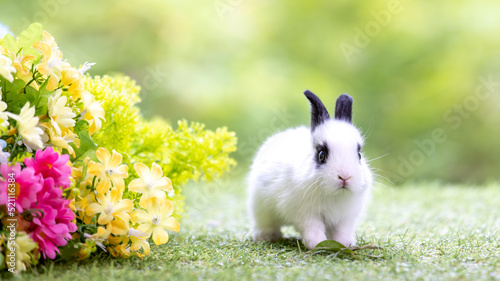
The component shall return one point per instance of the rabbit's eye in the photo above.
(359, 152)
(321, 154)
(321, 157)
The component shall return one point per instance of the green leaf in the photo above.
(26, 39)
(333, 246)
(41, 97)
(2, 264)
(81, 125)
(69, 251)
(336, 247)
(10, 43)
(31, 35)
(15, 101)
(87, 148)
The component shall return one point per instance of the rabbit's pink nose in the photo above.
(344, 177)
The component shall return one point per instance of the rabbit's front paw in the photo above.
(312, 237)
(267, 235)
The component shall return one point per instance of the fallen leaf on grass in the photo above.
(337, 247)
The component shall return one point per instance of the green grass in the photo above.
(427, 231)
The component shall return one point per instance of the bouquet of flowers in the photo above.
(80, 169)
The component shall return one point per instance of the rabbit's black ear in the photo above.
(319, 114)
(343, 108)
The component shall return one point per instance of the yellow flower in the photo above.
(77, 89)
(150, 183)
(93, 112)
(103, 186)
(6, 68)
(73, 79)
(23, 247)
(60, 115)
(27, 126)
(156, 220)
(23, 71)
(4, 119)
(110, 207)
(81, 205)
(3, 50)
(117, 240)
(51, 60)
(120, 227)
(119, 250)
(69, 75)
(100, 236)
(118, 245)
(109, 168)
(60, 141)
(139, 240)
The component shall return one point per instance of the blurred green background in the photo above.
(425, 75)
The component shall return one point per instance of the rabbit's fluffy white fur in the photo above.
(288, 186)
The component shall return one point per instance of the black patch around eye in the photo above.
(359, 152)
(321, 154)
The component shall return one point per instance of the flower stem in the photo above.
(14, 148)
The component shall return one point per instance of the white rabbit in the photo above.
(314, 179)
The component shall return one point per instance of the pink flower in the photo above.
(27, 185)
(50, 164)
(38, 191)
(53, 227)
